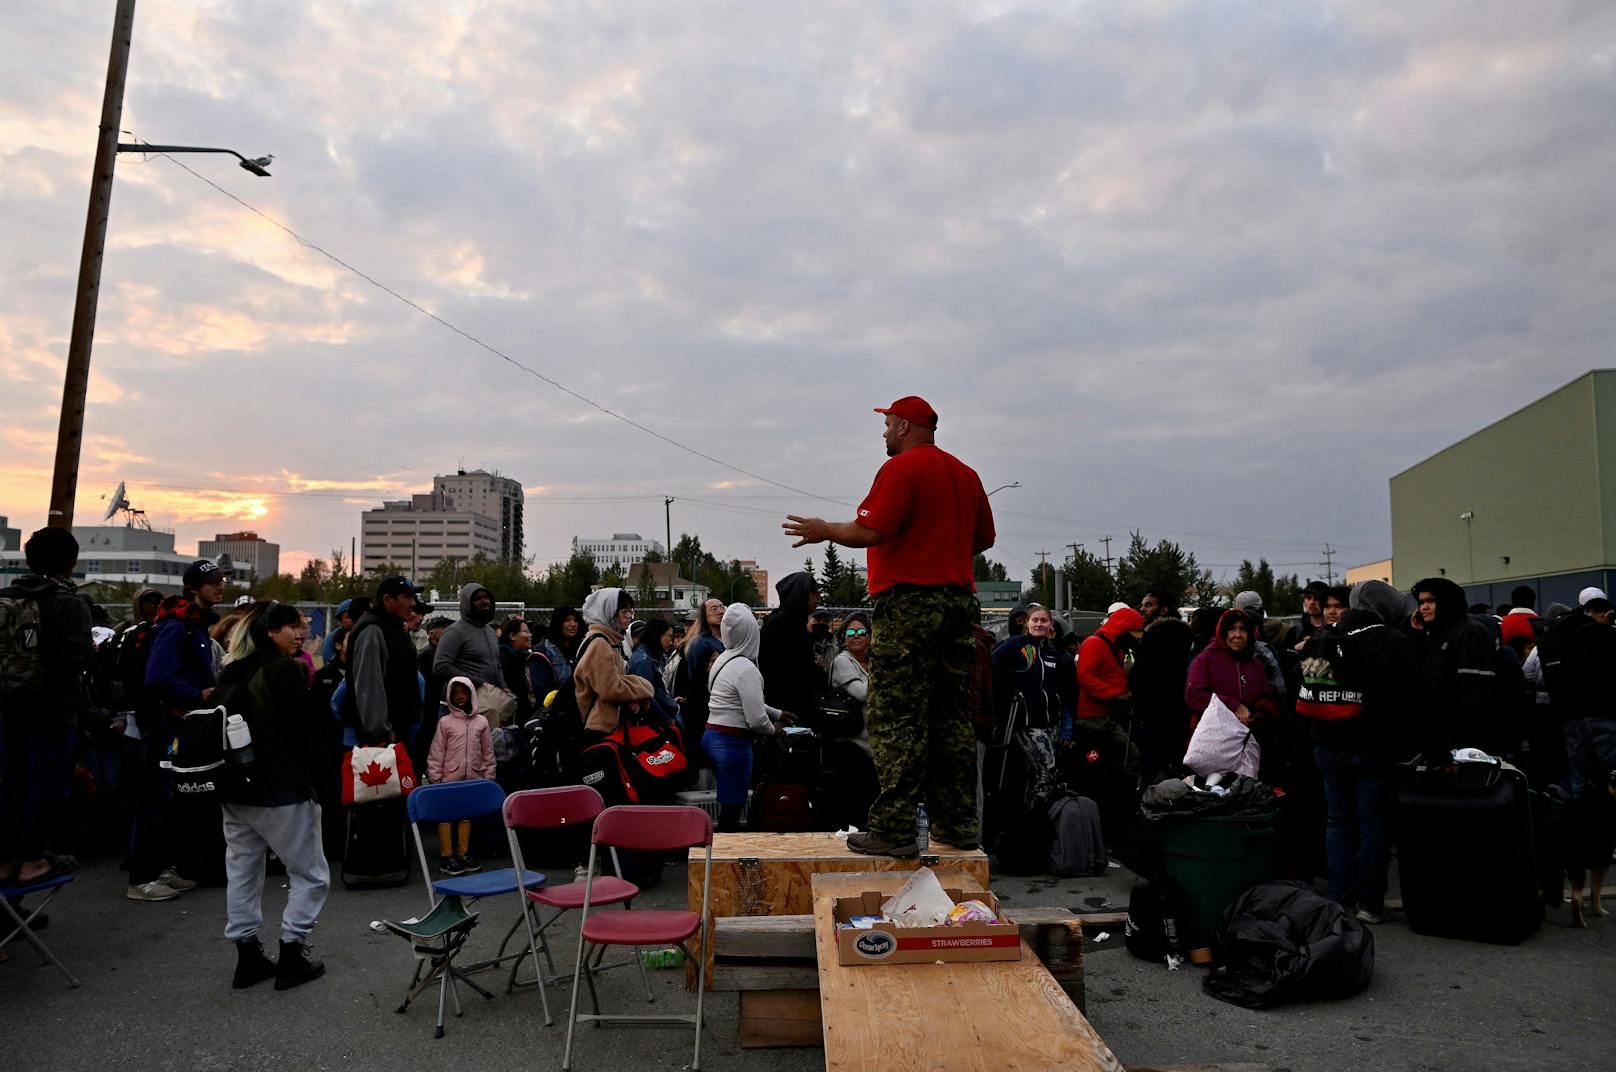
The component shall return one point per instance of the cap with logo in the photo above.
(914, 409)
(394, 586)
(204, 572)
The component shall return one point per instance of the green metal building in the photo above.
(1527, 500)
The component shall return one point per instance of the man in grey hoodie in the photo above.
(470, 647)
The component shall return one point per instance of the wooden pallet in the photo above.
(982, 1017)
(772, 874)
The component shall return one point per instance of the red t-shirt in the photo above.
(932, 515)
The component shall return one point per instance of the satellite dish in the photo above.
(119, 502)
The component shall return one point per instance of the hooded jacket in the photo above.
(642, 663)
(600, 679)
(1235, 678)
(1579, 666)
(1102, 680)
(463, 744)
(1377, 660)
(792, 680)
(470, 647)
(270, 691)
(181, 663)
(1470, 706)
(734, 684)
(551, 664)
(65, 648)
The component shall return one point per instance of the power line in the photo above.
(502, 355)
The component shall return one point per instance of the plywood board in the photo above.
(982, 1017)
(772, 874)
(780, 1018)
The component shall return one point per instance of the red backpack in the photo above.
(636, 764)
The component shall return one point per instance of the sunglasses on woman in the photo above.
(858, 632)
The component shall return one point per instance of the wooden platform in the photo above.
(985, 1017)
(772, 874)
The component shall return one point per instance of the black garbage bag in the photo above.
(1280, 941)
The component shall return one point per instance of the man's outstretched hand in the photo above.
(806, 529)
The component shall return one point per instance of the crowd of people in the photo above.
(883, 721)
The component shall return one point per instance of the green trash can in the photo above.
(1211, 860)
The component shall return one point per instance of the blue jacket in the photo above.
(181, 663)
(1043, 675)
(640, 662)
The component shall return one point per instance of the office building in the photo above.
(119, 554)
(413, 535)
(252, 557)
(620, 551)
(491, 495)
(10, 538)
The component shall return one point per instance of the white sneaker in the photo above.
(580, 873)
(152, 891)
(176, 881)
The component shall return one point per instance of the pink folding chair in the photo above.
(564, 807)
(643, 829)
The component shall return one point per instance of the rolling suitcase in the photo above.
(378, 846)
(1466, 827)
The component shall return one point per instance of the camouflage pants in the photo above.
(921, 653)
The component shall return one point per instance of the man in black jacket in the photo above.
(1160, 668)
(1468, 705)
(42, 698)
(384, 693)
(791, 678)
(1359, 677)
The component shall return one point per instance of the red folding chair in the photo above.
(568, 806)
(643, 829)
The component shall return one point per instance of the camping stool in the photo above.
(558, 808)
(437, 938)
(10, 898)
(663, 828)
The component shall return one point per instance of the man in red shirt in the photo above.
(924, 519)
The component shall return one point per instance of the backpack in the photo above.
(20, 666)
(1151, 932)
(132, 653)
(1323, 695)
(636, 764)
(1077, 847)
(200, 759)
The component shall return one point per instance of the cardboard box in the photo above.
(887, 943)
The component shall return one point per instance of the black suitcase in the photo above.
(379, 845)
(1461, 822)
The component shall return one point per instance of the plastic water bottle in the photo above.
(922, 828)
(662, 958)
(239, 738)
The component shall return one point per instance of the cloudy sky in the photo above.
(1212, 270)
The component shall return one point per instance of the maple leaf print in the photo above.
(375, 774)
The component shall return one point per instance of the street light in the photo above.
(255, 164)
(76, 382)
(1001, 487)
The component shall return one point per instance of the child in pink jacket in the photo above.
(462, 750)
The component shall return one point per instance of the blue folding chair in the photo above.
(452, 802)
(11, 903)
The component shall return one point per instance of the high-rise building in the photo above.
(416, 534)
(621, 550)
(10, 538)
(491, 495)
(760, 577)
(251, 556)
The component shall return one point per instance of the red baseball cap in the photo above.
(914, 409)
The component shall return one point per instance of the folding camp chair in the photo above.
(646, 829)
(436, 938)
(573, 806)
(450, 802)
(11, 900)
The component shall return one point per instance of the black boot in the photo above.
(729, 818)
(251, 964)
(297, 966)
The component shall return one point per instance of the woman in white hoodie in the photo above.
(736, 713)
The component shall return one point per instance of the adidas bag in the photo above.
(372, 774)
(199, 759)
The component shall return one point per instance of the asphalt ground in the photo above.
(156, 995)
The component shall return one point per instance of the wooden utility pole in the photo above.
(1107, 541)
(667, 521)
(75, 387)
(1043, 566)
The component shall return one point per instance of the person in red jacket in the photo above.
(1106, 761)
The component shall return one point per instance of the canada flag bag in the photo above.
(372, 774)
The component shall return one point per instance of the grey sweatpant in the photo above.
(293, 832)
